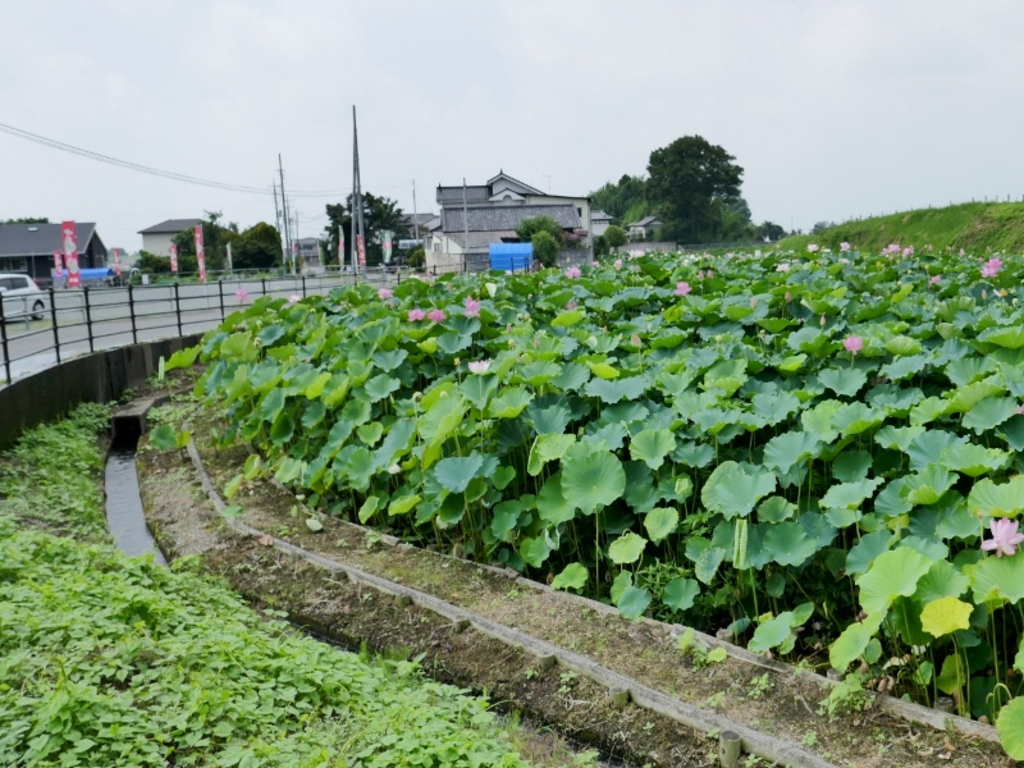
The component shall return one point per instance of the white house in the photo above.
(599, 222)
(646, 227)
(157, 239)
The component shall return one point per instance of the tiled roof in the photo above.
(507, 217)
(474, 194)
(40, 239)
(170, 227)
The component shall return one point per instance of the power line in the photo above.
(63, 147)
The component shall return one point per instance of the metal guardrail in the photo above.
(80, 321)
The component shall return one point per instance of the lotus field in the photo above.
(818, 450)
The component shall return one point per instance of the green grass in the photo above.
(975, 227)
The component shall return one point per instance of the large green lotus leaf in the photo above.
(572, 377)
(505, 517)
(990, 500)
(369, 508)
(928, 410)
(968, 369)
(706, 565)
(785, 450)
(573, 576)
(733, 490)
(651, 446)
(727, 375)
(792, 363)
(818, 528)
(535, 551)
(614, 391)
(389, 360)
(852, 643)
(772, 633)
(313, 414)
(603, 370)
(775, 509)
(478, 389)
(1011, 337)
(905, 367)
(927, 448)
(454, 473)
(788, 544)
(370, 433)
(633, 602)
(927, 486)
(843, 381)
(272, 404)
(1012, 431)
(854, 418)
(360, 468)
(996, 579)
(539, 373)
(851, 466)
(397, 442)
(989, 412)
(592, 480)
(945, 616)
(443, 418)
(660, 522)
(942, 580)
(953, 675)
(550, 420)
(1010, 725)
(402, 504)
(316, 388)
(566, 319)
(849, 495)
(549, 447)
(808, 339)
(893, 574)
(510, 403)
(450, 343)
(891, 501)
(283, 429)
(627, 548)
(819, 419)
(551, 504)
(965, 398)
(973, 460)
(863, 553)
(680, 592)
(897, 438)
(894, 400)
(775, 407)
(902, 345)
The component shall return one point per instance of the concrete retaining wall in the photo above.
(96, 378)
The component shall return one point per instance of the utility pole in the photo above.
(415, 223)
(284, 205)
(277, 222)
(298, 246)
(465, 225)
(357, 199)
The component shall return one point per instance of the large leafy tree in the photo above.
(624, 201)
(379, 214)
(691, 181)
(258, 247)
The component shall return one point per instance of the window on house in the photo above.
(579, 212)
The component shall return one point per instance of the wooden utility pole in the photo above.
(284, 208)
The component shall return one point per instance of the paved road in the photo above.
(31, 345)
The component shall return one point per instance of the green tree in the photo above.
(616, 236)
(545, 248)
(258, 247)
(379, 214)
(617, 199)
(215, 240)
(735, 220)
(770, 231)
(529, 227)
(600, 245)
(27, 220)
(690, 181)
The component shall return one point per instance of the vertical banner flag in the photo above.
(58, 263)
(341, 247)
(361, 248)
(200, 253)
(117, 262)
(231, 266)
(174, 259)
(70, 238)
(387, 246)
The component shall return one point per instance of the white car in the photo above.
(21, 296)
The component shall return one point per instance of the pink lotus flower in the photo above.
(789, 296)
(991, 267)
(853, 344)
(1005, 537)
(242, 295)
(682, 288)
(934, 279)
(844, 246)
(415, 315)
(573, 272)
(700, 274)
(812, 247)
(908, 251)
(384, 294)
(479, 366)
(472, 307)
(294, 298)
(571, 305)
(635, 340)
(961, 251)
(710, 274)
(618, 263)
(595, 264)
(436, 315)
(782, 266)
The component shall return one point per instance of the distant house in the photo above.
(600, 221)
(645, 228)
(157, 239)
(493, 211)
(309, 250)
(28, 248)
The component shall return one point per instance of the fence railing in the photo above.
(41, 329)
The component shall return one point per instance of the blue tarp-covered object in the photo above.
(511, 257)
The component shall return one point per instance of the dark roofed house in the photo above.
(157, 239)
(28, 248)
(645, 228)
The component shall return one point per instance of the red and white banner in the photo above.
(200, 253)
(231, 267)
(387, 247)
(174, 259)
(341, 247)
(361, 248)
(117, 262)
(58, 264)
(69, 236)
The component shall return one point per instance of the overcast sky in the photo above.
(833, 109)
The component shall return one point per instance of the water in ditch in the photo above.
(124, 504)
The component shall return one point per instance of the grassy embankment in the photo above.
(108, 660)
(975, 227)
